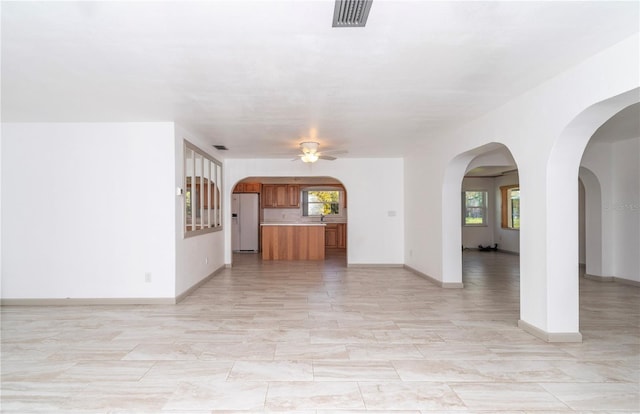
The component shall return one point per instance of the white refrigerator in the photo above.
(244, 222)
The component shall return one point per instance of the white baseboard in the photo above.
(86, 301)
(606, 279)
(550, 336)
(193, 288)
(373, 265)
(106, 301)
(444, 285)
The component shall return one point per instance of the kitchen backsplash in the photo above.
(291, 215)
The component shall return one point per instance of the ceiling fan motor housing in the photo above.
(309, 147)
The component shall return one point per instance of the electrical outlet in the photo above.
(147, 277)
(206, 260)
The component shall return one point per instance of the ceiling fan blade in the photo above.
(327, 157)
(335, 152)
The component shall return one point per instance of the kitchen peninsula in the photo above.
(293, 241)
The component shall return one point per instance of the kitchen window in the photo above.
(202, 195)
(475, 208)
(510, 207)
(321, 203)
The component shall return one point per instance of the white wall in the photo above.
(625, 206)
(198, 256)
(531, 127)
(88, 210)
(375, 234)
(616, 166)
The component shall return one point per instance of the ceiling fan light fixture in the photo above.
(309, 157)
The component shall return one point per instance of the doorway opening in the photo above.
(301, 219)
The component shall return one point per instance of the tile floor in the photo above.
(323, 338)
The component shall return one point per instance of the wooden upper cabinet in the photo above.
(251, 187)
(247, 188)
(293, 196)
(268, 196)
(280, 196)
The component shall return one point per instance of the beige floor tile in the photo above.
(354, 371)
(508, 396)
(410, 396)
(593, 396)
(298, 351)
(323, 338)
(163, 352)
(118, 395)
(218, 396)
(271, 371)
(111, 371)
(438, 371)
(174, 372)
(313, 395)
(386, 352)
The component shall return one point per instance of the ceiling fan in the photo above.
(310, 153)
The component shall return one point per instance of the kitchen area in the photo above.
(289, 218)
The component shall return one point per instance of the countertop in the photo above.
(292, 224)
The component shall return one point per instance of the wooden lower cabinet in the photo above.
(284, 242)
(342, 235)
(336, 235)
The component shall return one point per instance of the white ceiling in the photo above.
(259, 76)
(623, 125)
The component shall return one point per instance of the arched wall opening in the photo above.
(562, 243)
(493, 159)
(257, 201)
(591, 233)
(610, 169)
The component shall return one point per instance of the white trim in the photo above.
(444, 285)
(108, 301)
(193, 288)
(86, 301)
(549, 336)
(607, 279)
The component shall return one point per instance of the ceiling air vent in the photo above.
(221, 147)
(351, 13)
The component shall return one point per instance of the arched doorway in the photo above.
(490, 163)
(610, 171)
(561, 288)
(317, 205)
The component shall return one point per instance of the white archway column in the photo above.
(549, 304)
(549, 299)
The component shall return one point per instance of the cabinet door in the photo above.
(281, 196)
(269, 196)
(239, 188)
(251, 187)
(331, 236)
(293, 196)
(342, 236)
